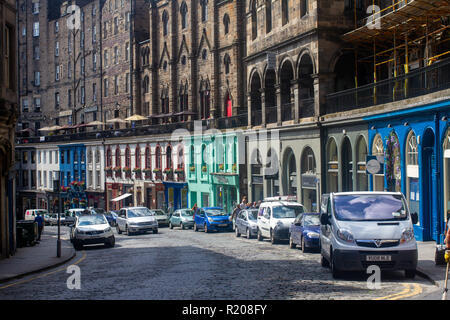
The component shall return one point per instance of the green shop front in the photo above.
(225, 188)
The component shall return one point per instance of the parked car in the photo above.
(71, 216)
(161, 217)
(183, 218)
(111, 216)
(212, 219)
(275, 217)
(92, 229)
(97, 210)
(136, 219)
(305, 232)
(360, 229)
(53, 220)
(32, 213)
(47, 219)
(247, 222)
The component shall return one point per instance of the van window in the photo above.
(285, 212)
(370, 207)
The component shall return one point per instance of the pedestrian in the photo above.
(258, 204)
(243, 203)
(194, 208)
(234, 215)
(40, 222)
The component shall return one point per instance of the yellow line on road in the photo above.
(406, 293)
(43, 275)
(417, 290)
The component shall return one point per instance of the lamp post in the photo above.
(57, 189)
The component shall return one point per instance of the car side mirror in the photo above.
(298, 224)
(414, 217)
(324, 219)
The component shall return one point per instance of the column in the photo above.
(249, 108)
(278, 94)
(295, 89)
(263, 107)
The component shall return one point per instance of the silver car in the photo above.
(183, 218)
(247, 223)
(92, 229)
(136, 219)
(161, 217)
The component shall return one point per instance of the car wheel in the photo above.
(206, 228)
(259, 236)
(128, 231)
(410, 274)
(155, 231)
(195, 227)
(292, 245)
(238, 234)
(303, 245)
(249, 234)
(170, 225)
(273, 240)
(118, 229)
(181, 226)
(110, 243)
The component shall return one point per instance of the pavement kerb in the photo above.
(73, 254)
(424, 275)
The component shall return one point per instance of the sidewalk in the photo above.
(40, 257)
(426, 266)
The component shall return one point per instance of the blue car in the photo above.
(212, 219)
(111, 217)
(305, 232)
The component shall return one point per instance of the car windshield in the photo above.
(91, 220)
(187, 213)
(370, 207)
(312, 220)
(253, 215)
(139, 212)
(216, 213)
(99, 210)
(159, 212)
(287, 212)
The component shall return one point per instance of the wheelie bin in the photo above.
(29, 232)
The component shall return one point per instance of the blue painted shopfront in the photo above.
(413, 145)
(72, 166)
(176, 195)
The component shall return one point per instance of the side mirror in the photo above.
(414, 217)
(298, 224)
(324, 219)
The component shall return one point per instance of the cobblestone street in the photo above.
(175, 264)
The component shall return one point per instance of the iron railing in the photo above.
(416, 83)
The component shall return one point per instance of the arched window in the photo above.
(284, 11)
(447, 171)
(127, 157)
(158, 157)
(254, 20)
(137, 158)
(165, 21)
(226, 23)
(180, 157)
(183, 12)
(268, 16)
(204, 4)
(378, 150)
(412, 172)
(169, 162)
(146, 84)
(109, 157)
(118, 157)
(148, 158)
(97, 156)
(227, 62)
(333, 166)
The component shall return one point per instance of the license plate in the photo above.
(378, 258)
(223, 225)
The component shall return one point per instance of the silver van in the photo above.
(361, 229)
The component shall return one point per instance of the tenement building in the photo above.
(8, 117)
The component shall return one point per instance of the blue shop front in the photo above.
(412, 147)
(176, 195)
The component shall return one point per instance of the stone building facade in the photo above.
(8, 117)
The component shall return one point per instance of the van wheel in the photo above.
(238, 234)
(334, 271)
(324, 262)
(118, 229)
(410, 274)
(249, 234)
(259, 236)
(303, 245)
(272, 238)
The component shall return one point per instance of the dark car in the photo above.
(305, 232)
(111, 216)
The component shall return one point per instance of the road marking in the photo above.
(45, 274)
(406, 293)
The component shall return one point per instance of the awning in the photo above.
(124, 196)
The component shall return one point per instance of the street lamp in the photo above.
(57, 189)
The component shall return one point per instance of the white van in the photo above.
(361, 229)
(275, 217)
(32, 213)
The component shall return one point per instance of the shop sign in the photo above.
(217, 179)
(309, 181)
(374, 166)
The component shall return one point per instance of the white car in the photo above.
(32, 213)
(361, 229)
(136, 219)
(275, 217)
(92, 229)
